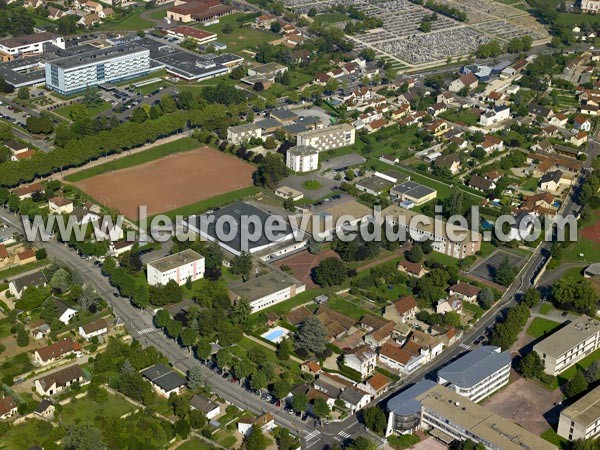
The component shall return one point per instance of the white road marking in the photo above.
(146, 331)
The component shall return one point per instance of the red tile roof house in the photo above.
(415, 270)
(465, 292)
(54, 352)
(8, 407)
(402, 309)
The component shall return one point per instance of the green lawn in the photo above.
(546, 308)
(331, 17)
(85, 410)
(26, 435)
(194, 444)
(8, 273)
(464, 116)
(551, 436)
(131, 22)
(148, 88)
(65, 111)
(181, 145)
(539, 327)
(581, 365)
(311, 184)
(347, 308)
(241, 38)
(530, 184)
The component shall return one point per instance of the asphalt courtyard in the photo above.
(487, 268)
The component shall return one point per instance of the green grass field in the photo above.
(194, 444)
(539, 327)
(131, 22)
(241, 38)
(546, 308)
(551, 436)
(333, 17)
(84, 410)
(347, 308)
(25, 435)
(530, 184)
(65, 111)
(311, 184)
(460, 116)
(182, 145)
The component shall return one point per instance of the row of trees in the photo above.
(494, 48)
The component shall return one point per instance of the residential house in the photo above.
(64, 312)
(106, 13)
(376, 385)
(39, 329)
(536, 110)
(589, 109)
(60, 205)
(8, 407)
(354, 399)
(380, 335)
(209, 408)
(481, 184)
(465, 292)
(18, 285)
(92, 329)
(266, 423)
(446, 305)
(89, 20)
(362, 359)
(550, 181)
(57, 382)
(56, 351)
(55, 13)
(579, 139)
(16, 147)
(559, 120)
(311, 367)
(399, 359)
(4, 255)
(451, 162)
(438, 127)
(117, 248)
(34, 4)
(467, 81)
(45, 409)
(582, 123)
(493, 116)
(412, 269)
(27, 191)
(26, 256)
(402, 309)
(93, 6)
(164, 380)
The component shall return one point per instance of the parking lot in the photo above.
(342, 162)
(297, 182)
(487, 268)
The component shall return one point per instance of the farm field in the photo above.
(169, 183)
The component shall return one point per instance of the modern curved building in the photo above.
(404, 411)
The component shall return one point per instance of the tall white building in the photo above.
(178, 267)
(478, 374)
(302, 158)
(581, 420)
(328, 138)
(569, 345)
(590, 6)
(76, 73)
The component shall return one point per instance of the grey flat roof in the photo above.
(413, 189)
(234, 214)
(25, 71)
(563, 340)
(294, 128)
(374, 183)
(164, 377)
(268, 123)
(259, 287)
(475, 366)
(283, 114)
(405, 403)
(178, 259)
(302, 150)
(97, 55)
(586, 410)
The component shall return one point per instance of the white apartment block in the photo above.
(240, 134)
(302, 159)
(590, 6)
(178, 267)
(569, 345)
(267, 290)
(581, 420)
(478, 374)
(328, 138)
(76, 73)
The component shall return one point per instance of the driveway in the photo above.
(342, 162)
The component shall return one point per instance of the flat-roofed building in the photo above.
(302, 158)
(449, 239)
(240, 134)
(450, 417)
(569, 345)
(267, 290)
(164, 380)
(73, 74)
(30, 44)
(198, 10)
(410, 191)
(179, 267)
(581, 420)
(194, 34)
(328, 138)
(373, 185)
(477, 374)
(404, 412)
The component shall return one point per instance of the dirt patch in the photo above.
(302, 264)
(170, 182)
(592, 232)
(527, 404)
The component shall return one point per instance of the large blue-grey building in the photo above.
(74, 74)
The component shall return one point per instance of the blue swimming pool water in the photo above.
(273, 335)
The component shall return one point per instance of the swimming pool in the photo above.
(275, 335)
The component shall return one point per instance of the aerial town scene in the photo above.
(299, 224)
